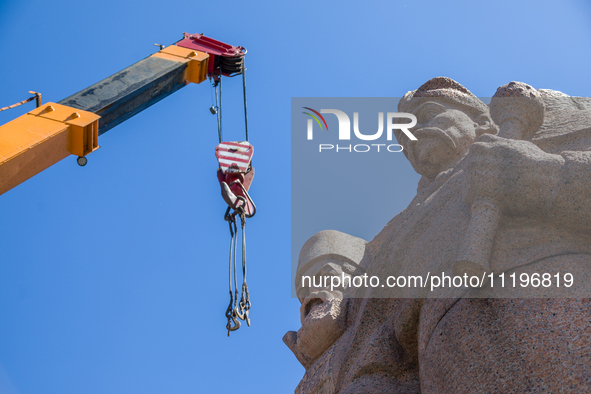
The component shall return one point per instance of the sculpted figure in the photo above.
(538, 181)
(323, 313)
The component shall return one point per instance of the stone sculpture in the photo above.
(532, 186)
(323, 313)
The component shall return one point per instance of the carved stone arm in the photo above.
(572, 206)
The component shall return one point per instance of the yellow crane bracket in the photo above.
(82, 130)
(42, 137)
(197, 62)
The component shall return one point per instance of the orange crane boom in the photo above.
(40, 138)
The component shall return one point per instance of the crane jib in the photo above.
(53, 131)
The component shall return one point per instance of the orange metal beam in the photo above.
(41, 138)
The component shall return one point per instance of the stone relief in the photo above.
(505, 188)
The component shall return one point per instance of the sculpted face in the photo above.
(322, 314)
(449, 118)
(444, 135)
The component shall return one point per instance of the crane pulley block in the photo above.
(226, 58)
(236, 174)
(234, 156)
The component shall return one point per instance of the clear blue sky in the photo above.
(113, 276)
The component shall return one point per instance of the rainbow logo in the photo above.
(315, 118)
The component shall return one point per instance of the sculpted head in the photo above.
(449, 119)
(323, 309)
